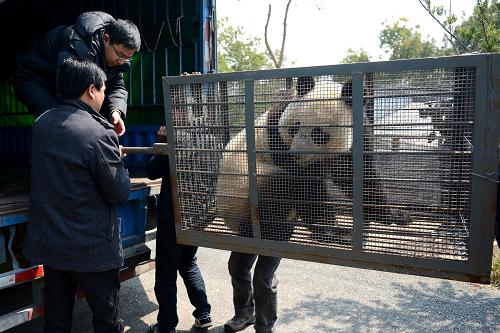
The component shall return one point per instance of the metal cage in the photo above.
(389, 165)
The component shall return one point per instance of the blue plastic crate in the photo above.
(138, 136)
(132, 218)
(15, 145)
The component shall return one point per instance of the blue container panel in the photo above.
(138, 136)
(132, 220)
(15, 144)
(132, 217)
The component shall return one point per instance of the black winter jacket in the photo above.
(158, 167)
(78, 179)
(83, 39)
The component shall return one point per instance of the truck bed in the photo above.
(14, 196)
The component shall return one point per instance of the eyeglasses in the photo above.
(121, 55)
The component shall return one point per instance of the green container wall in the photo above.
(173, 42)
(12, 111)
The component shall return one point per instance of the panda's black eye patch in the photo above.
(319, 136)
(294, 129)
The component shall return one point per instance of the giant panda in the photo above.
(273, 184)
(317, 128)
(295, 178)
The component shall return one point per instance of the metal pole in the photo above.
(156, 149)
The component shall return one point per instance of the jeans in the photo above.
(497, 227)
(101, 291)
(170, 258)
(265, 288)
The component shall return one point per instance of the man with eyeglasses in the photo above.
(95, 36)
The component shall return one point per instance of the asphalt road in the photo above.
(320, 298)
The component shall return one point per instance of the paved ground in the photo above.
(322, 298)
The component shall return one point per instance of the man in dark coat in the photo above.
(95, 36)
(172, 258)
(78, 178)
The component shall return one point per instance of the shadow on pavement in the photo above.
(413, 309)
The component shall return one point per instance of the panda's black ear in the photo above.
(304, 85)
(346, 94)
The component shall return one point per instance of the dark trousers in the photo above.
(497, 226)
(265, 288)
(101, 291)
(170, 258)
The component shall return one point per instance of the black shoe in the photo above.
(203, 321)
(153, 328)
(238, 323)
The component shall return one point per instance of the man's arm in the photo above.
(108, 170)
(114, 107)
(158, 164)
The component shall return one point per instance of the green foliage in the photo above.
(495, 272)
(481, 31)
(353, 56)
(237, 51)
(403, 42)
(478, 33)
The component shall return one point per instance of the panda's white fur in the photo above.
(316, 127)
(232, 185)
(321, 109)
(321, 122)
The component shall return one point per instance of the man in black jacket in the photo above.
(172, 258)
(77, 179)
(95, 36)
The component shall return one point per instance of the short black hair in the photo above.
(124, 32)
(76, 75)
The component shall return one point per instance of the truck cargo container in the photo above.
(177, 36)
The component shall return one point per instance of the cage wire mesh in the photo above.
(421, 150)
(198, 149)
(300, 192)
(417, 160)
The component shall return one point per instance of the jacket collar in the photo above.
(78, 104)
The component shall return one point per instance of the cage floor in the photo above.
(419, 239)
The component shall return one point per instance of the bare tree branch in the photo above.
(452, 44)
(445, 29)
(277, 62)
(268, 47)
(280, 63)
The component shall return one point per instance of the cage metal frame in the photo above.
(484, 170)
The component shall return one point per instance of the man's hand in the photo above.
(117, 122)
(161, 135)
(122, 154)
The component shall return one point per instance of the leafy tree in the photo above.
(353, 56)
(478, 33)
(403, 42)
(237, 51)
